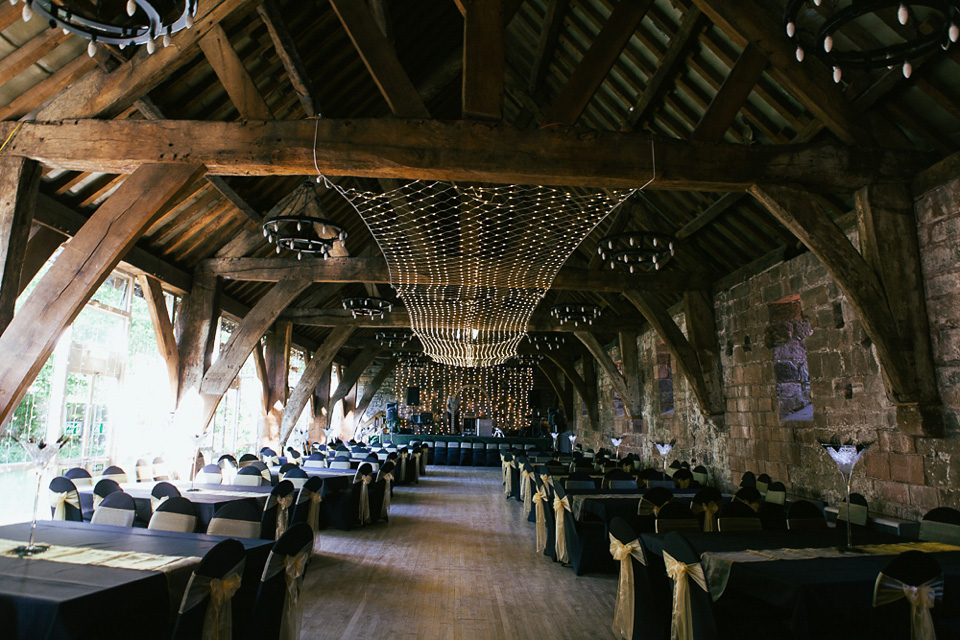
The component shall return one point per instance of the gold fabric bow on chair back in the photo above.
(539, 499)
(59, 500)
(283, 514)
(710, 511)
(292, 611)
(559, 506)
(526, 491)
(508, 478)
(416, 467)
(218, 592)
(681, 623)
(365, 499)
(623, 608)
(921, 598)
(387, 481)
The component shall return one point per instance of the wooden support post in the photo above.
(702, 335)
(371, 389)
(630, 363)
(483, 60)
(631, 401)
(597, 61)
(83, 265)
(162, 329)
(261, 366)
(319, 400)
(320, 363)
(549, 34)
(857, 279)
(277, 358)
(287, 52)
(43, 244)
(349, 377)
(889, 244)
(19, 182)
(236, 80)
(557, 385)
(197, 330)
(586, 386)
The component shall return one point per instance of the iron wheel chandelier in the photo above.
(548, 341)
(367, 306)
(576, 313)
(934, 24)
(301, 226)
(636, 249)
(392, 339)
(145, 22)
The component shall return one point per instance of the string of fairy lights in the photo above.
(471, 262)
(499, 393)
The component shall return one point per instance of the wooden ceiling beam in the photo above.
(711, 213)
(629, 390)
(732, 95)
(483, 60)
(680, 46)
(749, 21)
(162, 329)
(233, 75)
(370, 390)
(374, 270)
(547, 44)
(19, 187)
(29, 53)
(288, 54)
(457, 150)
(380, 59)
(597, 61)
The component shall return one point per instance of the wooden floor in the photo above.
(455, 561)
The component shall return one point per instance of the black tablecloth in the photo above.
(57, 600)
(606, 509)
(817, 598)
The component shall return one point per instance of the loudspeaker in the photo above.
(413, 396)
(391, 411)
(533, 398)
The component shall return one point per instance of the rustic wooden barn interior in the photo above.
(810, 292)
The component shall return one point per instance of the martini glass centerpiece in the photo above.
(846, 457)
(573, 438)
(616, 443)
(664, 448)
(554, 435)
(41, 455)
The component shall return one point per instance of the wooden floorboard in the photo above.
(454, 562)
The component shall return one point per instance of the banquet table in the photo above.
(65, 601)
(812, 597)
(206, 499)
(609, 504)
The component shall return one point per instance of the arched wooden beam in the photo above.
(901, 342)
(371, 389)
(706, 386)
(629, 390)
(555, 382)
(586, 386)
(351, 375)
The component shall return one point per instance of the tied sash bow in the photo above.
(416, 467)
(559, 505)
(508, 478)
(681, 623)
(283, 514)
(313, 513)
(921, 598)
(59, 501)
(539, 498)
(388, 481)
(217, 592)
(710, 509)
(403, 466)
(623, 609)
(526, 490)
(292, 613)
(365, 499)
(154, 502)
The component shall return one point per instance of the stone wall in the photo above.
(901, 475)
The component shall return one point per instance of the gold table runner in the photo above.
(103, 557)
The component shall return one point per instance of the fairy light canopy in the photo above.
(471, 262)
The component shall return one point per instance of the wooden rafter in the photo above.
(370, 390)
(586, 385)
(629, 392)
(19, 184)
(235, 78)
(288, 54)
(597, 61)
(458, 150)
(162, 328)
(348, 378)
(549, 35)
(731, 96)
(483, 60)
(565, 398)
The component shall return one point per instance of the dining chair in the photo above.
(619, 476)
(776, 493)
(160, 471)
(80, 477)
(748, 479)
(374, 461)
(296, 475)
(700, 474)
(104, 488)
(228, 468)
(248, 477)
(277, 511)
(340, 463)
(162, 492)
(264, 471)
(941, 525)
(144, 470)
(174, 514)
(210, 474)
(246, 459)
(653, 500)
(236, 519)
(640, 612)
(683, 478)
(858, 510)
(278, 596)
(763, 483)
(677, 550)
(749, 496)
(206, 607)
(478, 456)
(64, 500)
(586, 550)
(115, 473)
(738, 516)
(805, 516)
(269, 457)
(293, 455)
(893, 615)
(306, 508)
(706, 505)
(117, 509)
(675, 516)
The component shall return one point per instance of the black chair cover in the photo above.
(215, 564)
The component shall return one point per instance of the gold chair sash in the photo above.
(710, 509)
(403, 466)
(921, 599)
(365, 499)
(508, 488)
(423, 462)
(59, 500)
(681, 623)
(218, 619)
(623, 608)
(647, 508)
(271, 461)
(96, 502)
(154, 502)
(313, 513)
(292, 611)
(388, 482)
(283, 514)
(559, 505)
(539, 498)
(526, 491)
(416, 467)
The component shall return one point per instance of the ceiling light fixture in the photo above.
(636, 250)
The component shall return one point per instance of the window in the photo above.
(786, 334)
